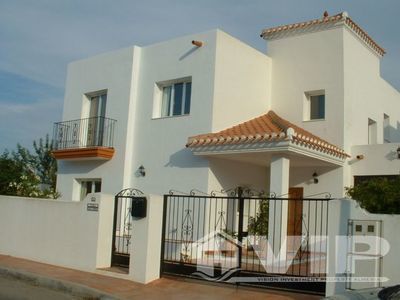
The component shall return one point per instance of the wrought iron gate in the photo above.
(246, 238)
(122, 227)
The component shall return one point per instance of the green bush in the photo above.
(258, 225)
(377, 195)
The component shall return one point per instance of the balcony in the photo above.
(84, 139)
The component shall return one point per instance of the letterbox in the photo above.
(139, 207)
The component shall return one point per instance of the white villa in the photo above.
(206, 114)
(216, 113)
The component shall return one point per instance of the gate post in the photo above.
(240, 229)
(146, 239)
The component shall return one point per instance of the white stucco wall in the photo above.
(340, 212)
(115, 73)
(225, 90)
(242, 83)
(367, 95)
(62, 233)
(378, 160)
(304, 63)
(159, 143)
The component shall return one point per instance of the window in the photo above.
(314, 107)
(176, 99)
(372, 132)
(90, 186)
(317, 107)
(386, 128)
(95, 122)
(371, 228)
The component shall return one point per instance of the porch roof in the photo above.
(267, 131)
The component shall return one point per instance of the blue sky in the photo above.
(39, 38)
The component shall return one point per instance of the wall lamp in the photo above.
(315, 177)
(142, 171)
(398, 152)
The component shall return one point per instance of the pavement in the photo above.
(12, 288)
(113, 285)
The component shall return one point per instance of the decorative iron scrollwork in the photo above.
(326, 195)
(229, 192)
(247, 192)
(194, 191)
(187, 236)
(129, 193)
(173, 192)
(220, 221)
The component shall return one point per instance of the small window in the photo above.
(372, 132)
(176, 99)
(386, 128)
(90, 186)
(358, 228)
(317, 107)
(371, 228)
(314, 105)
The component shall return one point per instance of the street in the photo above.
(13, 289)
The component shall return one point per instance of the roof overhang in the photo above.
(283, 148)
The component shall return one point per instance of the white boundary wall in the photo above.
(340, 212)
(62, 233)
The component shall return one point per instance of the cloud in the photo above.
(39, 38)
(27, 109)
(23, 123)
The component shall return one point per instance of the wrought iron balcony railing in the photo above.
(84, 133)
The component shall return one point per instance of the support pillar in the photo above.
(144, 265)
(278, 214)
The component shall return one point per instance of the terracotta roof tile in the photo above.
(324, 20)
(268, 127)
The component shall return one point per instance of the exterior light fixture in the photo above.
(315, 177)
(398, 152)
(142, 171)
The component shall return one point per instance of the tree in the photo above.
(16, 179)
(30, 175)
(9, 173)
(44, 162)
(377, 195)
(258, 225)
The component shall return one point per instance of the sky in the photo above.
(39, 38)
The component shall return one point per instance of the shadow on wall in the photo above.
(304, 175)
(186, 54)
(73, 167)
(392, 133)
(230, 174)
(392, 155)
(184, 158)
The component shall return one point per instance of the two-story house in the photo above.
(297, 116)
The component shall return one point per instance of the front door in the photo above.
(295, 217)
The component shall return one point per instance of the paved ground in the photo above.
(12, 289)
(165, 288)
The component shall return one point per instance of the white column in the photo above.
(144, 265)
(278, 213)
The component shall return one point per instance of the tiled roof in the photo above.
(266, 128)
(325, 20)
